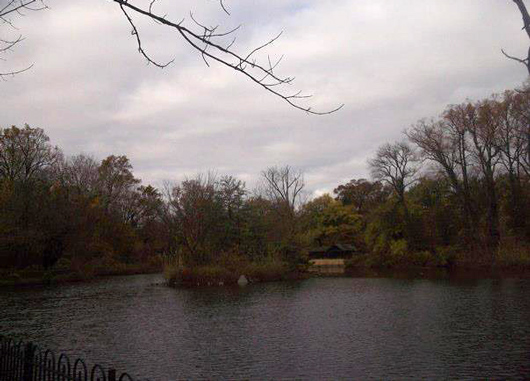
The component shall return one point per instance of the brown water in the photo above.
(325, 328)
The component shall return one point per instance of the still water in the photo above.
(327, 328)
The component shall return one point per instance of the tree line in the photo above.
(454, 189)
(87, 214)
(460, 182)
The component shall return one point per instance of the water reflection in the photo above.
(320, 328)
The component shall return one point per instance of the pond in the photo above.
(320, 328)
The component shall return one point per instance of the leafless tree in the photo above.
(80, 173)
(484, 127)
(444, 142)
(437, 145)
(510, 138)
(217, 45)
(395, 164)
(8, 12)
(283, 185)
(522, 109)
(511, 143)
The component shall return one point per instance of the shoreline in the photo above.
(57, 278)
(427, 273)
(435, 273)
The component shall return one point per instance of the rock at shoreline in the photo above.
(242, 281)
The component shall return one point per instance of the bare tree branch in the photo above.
(283, 185)
(134, 32)
(520, 60)
(13, 73)
(209, 43)
(11, 9)
(17, 6)
(526, 27)
(9, 44)
(224, 8)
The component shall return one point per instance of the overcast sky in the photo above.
(390, 62)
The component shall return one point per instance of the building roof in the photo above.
(345, 247)
(335, 247)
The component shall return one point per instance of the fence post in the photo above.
(29, 355)
(112, 375)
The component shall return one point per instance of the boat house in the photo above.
(339, 250)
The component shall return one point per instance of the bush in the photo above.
(512, 253)
(34, 271)
(155, 261)
(171, 273)
(445, 256)
(398, 248)
(397, 256)
(267, 271)
(63, 264)
(357, 261)
(226, 270)
(232, 260)
(420, 258)
(293, 256)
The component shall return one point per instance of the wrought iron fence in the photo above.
(26, 362)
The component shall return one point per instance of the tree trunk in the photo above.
(493, 218)
(528, 143)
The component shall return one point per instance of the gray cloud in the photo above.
(391, 63)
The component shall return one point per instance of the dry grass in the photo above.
(226, 273)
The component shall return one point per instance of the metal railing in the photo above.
(26, 362)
